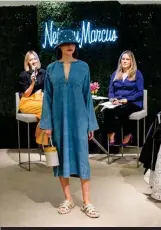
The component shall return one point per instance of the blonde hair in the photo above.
(26, 60)
(132, 70)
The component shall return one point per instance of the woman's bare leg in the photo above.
(85, 190)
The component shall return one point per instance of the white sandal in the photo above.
(66, 207)
(90, 211)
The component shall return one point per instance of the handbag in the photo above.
(51, 154)
(41, 136)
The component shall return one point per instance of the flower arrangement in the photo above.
(94, 87)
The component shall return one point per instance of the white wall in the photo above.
(17, 3)
(31, 2)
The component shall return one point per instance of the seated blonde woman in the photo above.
(31, 85)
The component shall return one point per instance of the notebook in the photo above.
(99, 97)
(108, 105)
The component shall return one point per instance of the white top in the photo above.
(124, 77)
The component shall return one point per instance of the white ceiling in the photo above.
(31, 2)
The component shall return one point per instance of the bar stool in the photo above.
(137, 116)
(27, 118)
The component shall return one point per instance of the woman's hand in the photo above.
(90, 135)
(28, 92)
(123, 101)
(33, 77)
(116, 102)
(48, 132)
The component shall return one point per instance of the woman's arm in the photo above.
(92, 121)
(46, 117)
(25, 87)
(140, 88)
(111, 93)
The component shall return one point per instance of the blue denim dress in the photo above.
(68, 110)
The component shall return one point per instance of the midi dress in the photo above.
(68, 111)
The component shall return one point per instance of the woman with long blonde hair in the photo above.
(126, 92)
(31, 85)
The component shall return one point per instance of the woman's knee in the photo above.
(121, 113)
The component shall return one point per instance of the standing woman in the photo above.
(68, 116)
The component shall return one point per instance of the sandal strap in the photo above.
(66, 204)
(90, 208)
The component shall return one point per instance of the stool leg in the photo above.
(28, 133)
(138, 149)
(100, 146)
(18, 124)
(122, 137)
(108, 148)
(144, 130)
(40, 151)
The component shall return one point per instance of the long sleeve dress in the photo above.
(68, 111)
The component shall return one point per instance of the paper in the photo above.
(108, 105)
(99, 97)
(94, 96)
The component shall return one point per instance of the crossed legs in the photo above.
(117, 117)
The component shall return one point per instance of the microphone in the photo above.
(34, 68)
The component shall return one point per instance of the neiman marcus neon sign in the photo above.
(86, 35)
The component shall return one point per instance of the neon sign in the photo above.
(86, 35)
